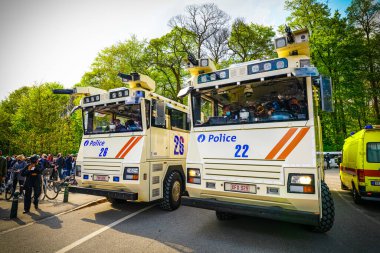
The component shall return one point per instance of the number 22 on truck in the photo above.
(255, 145)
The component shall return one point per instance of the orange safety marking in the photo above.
(281, 143)
(293, 144)
(125, 146)
(131, 146)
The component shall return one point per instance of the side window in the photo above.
(178, 119)
(158, 118)
(373, 152)
(147, 113)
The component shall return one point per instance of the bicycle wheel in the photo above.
(9, 192)
(50, 190)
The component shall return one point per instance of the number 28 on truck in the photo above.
(255, 144)
(134, 144)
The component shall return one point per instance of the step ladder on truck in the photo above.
(134, 143)
(255, 145)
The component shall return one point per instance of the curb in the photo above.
(92, 203)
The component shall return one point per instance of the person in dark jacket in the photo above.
(60, 162)
(3, 167)
(68, 164)
(33, 181)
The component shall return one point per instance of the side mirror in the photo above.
(326, 94)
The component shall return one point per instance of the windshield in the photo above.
(112, 118)
(269, 101)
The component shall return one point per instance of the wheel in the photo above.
(342, 186)
(9, 192)
(49, 190)
(172, 192)
(222, 216)
(115, 201)
(328, 210)
(356, 196)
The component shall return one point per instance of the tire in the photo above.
(172, 192)
(49, 190)
(222, 216)
(356, 196)
(328, 211)
(9, 192)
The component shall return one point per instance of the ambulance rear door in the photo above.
(372, 160)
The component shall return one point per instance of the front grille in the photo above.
(245, 172)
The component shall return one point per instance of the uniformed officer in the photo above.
(33, 181)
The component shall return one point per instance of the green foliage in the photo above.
(250, 41)
(344, 49)
(33, 122)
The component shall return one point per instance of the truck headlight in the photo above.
(131, 173)
(78, 170)
(301, 183)
(194, 176)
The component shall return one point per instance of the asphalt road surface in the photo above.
(146, 228)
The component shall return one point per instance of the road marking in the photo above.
(358, 209)
(95, 202)
(88, 237)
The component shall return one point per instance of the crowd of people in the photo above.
(27, 172)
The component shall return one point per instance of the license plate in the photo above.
(247, 188)
(375, 183)
(100, 178)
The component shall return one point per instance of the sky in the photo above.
(57, 40)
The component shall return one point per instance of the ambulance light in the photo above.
(368, 127)
(194, 176)
(213, 76)
(272, 65)
(91, 99)
(301, 183)
(131, 173)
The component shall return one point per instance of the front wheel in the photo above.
(328, 211)
(9, 192)
(50, 191)
(172, 192)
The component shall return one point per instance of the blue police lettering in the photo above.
(97, 143)
(221, 138)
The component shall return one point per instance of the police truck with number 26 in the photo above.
(134, 144)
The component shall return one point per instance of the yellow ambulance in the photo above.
(360, 167)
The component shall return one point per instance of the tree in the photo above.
(364, 15)
(201, 22)
(123, 57)
(166, 55)
(250, 41)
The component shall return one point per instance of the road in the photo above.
(146, 228)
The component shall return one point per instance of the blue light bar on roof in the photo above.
(271, 65)
(214, 76)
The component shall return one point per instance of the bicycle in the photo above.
(69, 180)
(49, 185)
(7, 186)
